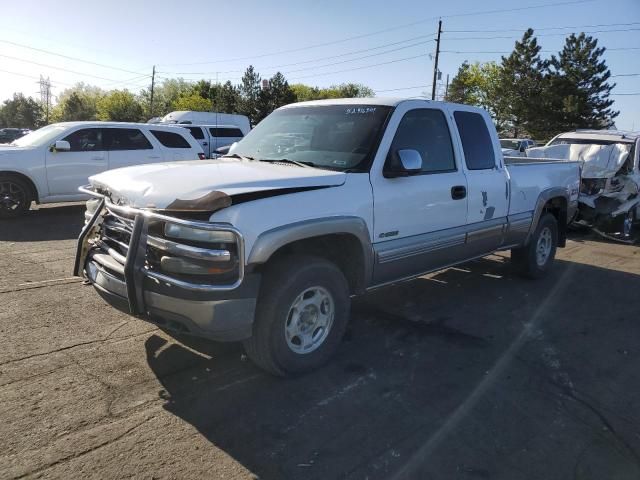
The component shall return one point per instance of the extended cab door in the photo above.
(129, 146)
(419, 219)
(487, 184)
(66, 171)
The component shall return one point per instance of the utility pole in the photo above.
(435, 67)
(153, 82)
(45, 96)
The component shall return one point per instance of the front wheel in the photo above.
(301, 315)
(536, 258)
(15, 196)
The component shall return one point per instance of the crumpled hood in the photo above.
(598, 161)
(160, 185)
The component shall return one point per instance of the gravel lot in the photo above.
(470, 373)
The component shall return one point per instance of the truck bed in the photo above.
(530, 177)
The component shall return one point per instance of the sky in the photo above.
(386, 45)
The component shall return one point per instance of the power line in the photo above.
(49, 52)
(31, 76)
(541, 51)
(402, 88)
(364, 35)
(542, 34)
(363, 67)
(322, 58)
(545, 28)
(634, 93)
(58, 68)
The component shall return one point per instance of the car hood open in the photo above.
(206, 185)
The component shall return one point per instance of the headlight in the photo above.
(172, 230)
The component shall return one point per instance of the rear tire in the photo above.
(15, 196)
(535, 259)
(301, 315)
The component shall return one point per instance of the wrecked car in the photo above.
(321, 201)
(609, 200)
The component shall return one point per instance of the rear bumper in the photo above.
(221, 316)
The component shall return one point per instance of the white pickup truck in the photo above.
(321, 201)
(49, 164)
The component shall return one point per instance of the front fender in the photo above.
(271, 241)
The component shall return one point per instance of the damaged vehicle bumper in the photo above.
(164, 270)
(606, 210)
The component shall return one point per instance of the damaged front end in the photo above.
(609, 200)
(184, 275)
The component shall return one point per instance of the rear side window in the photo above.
(225, 132)
(426, 131)
(126, 139)
(170, 139)
(476, 141)
(196, 132)
(86, 140)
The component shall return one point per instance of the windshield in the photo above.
(337, 137)
(40, 137)
(512, 144)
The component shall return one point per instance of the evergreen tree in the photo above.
(578, 89)
(277, 94)
(521, 87)
(226, 98)
(250, 95)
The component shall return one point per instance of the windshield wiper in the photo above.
(286, 160)
(235, 155)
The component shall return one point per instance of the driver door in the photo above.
(68, 170)
(420, 219)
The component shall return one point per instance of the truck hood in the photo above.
(598, 161)
(193, 185)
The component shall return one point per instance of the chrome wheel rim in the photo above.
(543, 247)
(309, 320)
(12, 196)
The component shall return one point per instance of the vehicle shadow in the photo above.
(50, 223)
(403, 389)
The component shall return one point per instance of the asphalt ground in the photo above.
(468, 373)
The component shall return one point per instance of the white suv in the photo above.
(50, 164)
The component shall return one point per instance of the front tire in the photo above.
(15, 196)
(536, 258)
(301, 315)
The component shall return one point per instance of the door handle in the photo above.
(204, 144)
(154, 157)
(97, 158)
(458, 192)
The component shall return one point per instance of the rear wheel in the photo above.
(301, 315)
(15, 196)
(536, 258)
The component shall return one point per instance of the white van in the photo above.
(208, 118)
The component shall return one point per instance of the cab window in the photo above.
(85, 140)
(426, 131)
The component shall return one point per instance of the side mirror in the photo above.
(403, 163)
(223, 150)
(522, 148)
(61, 146)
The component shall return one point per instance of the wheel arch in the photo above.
(556, 202)
(343, 240)
(32, 186)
